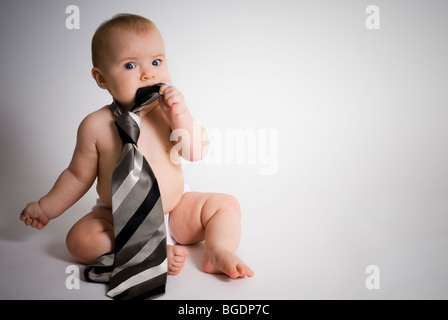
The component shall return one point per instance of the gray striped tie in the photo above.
(137, 269)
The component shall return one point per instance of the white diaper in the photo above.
(169, 238)
(101, 204)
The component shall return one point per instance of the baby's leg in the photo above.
(214, 218)
(93, 236)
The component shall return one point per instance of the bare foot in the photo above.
(176, 258)
(225, 261)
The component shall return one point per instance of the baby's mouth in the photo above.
(146, 95)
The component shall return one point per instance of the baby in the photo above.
(128, 53)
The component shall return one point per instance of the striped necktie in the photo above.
(137, 269)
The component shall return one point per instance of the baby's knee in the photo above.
(226, 202)
(232, 203)
(84, 244)
(77, 243)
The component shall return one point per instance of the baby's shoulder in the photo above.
(96, 122)
(100, 116)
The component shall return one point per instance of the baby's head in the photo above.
(128, 53)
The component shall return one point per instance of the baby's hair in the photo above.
(125, 21)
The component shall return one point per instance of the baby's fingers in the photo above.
(162, 89)
(37, 224)
(24, 214)
(34, 223)
(28, 221)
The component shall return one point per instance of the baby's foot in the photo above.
(225, 261)
(176, 258)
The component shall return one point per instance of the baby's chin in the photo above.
(124, 104)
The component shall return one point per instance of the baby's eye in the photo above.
(129, 65)
(156, 62)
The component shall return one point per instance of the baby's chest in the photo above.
(155, 145)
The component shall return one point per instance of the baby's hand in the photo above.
(172, 101)
(33, 216)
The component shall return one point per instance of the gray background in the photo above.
(362, 122)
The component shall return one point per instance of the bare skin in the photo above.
(134, 61)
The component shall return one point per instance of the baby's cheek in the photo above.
(125, 95)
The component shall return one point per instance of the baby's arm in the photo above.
(71, 185)
(175, 109)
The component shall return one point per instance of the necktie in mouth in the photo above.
(137, 268)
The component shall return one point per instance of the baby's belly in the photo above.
(171, 185)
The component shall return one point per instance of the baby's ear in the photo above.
(99, 78)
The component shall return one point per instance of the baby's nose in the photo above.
(147, 74)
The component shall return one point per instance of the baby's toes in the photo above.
(244, 270)
(175, 267)
(180, 253)
(172, 270)
(176, 260)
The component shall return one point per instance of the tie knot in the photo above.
(128, 125)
